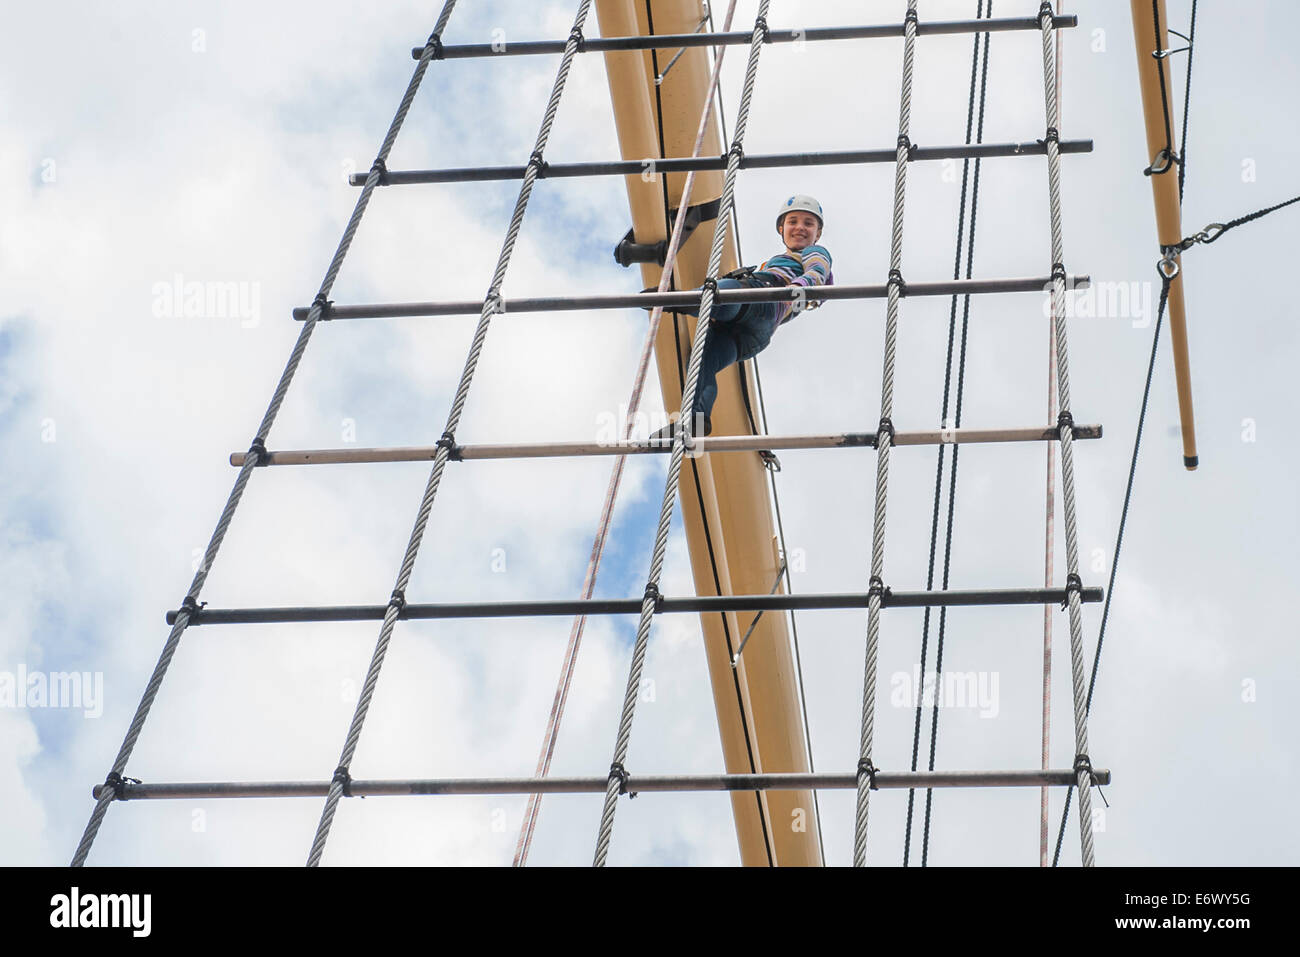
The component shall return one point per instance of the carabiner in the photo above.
(1211, 232)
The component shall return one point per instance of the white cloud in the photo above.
(226, 166)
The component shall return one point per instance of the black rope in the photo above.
(1119, 538)
(1166, 158)
(1187, 99)
(695, 471)
(947, 382)
(952, 472)
(1214, 231)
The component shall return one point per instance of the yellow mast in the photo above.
(726, 507)
(1164, 189)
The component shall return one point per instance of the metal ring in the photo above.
(1168, 267)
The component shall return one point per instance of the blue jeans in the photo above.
(738, 331)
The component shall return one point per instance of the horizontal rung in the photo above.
(676, 164)
(636, 784)
(666, 41)
(687, 298)
(632, 606)
(713, 444)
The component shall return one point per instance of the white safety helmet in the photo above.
(803, 202)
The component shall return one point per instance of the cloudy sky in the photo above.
(166, 143)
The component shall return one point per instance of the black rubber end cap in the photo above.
(1191, 461)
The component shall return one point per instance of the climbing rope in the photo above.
(978, 132)
(1074, 585)
(258, 447)
(773, 466)
(617, 780)
(681, 355)
(611, 492)
(1049, 536)
(1119, 537)
(884, 440)
(447, 442)
(1167, 273)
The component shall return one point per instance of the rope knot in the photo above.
(117, 784)
(192, 607)
(738, 151)
(896, 278)
(616, 770)
(910, 18)
(434, 41)
(1082, 763)
(343, 779)
(575, 35)
(257, 451)
(448, 442)
(380, 167)
(1065, 421)
(536, 163)
(398, 600)
(876, 588)
(886, 426)
(1058, 272)
(710, 284)
(760, 25)
(870, 770)
(652, 592)
(1045, 10)
(324, 304)
(1073, 583)
(1053, 135)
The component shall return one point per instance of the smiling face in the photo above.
(800, 229)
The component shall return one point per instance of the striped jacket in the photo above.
(810, 267)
